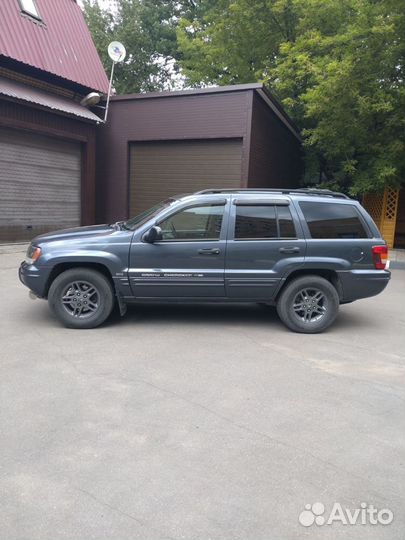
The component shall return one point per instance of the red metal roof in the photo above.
(61, 44)
(22, 92)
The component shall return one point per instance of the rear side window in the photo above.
(257, 222)
(332, 220)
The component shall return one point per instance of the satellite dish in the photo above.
(91, 99)
(116, 51)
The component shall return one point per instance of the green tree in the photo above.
(336, 65)
(147, 29)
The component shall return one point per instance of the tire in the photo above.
(81, 298)
(308, 304)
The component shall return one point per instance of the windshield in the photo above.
(138, 220)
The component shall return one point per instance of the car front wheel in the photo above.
(81, 298)
(308, 304)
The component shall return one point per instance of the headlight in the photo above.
(33, 254)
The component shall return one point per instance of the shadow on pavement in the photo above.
(246, 314)
(37, 313)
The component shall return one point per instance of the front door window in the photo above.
(193, 224)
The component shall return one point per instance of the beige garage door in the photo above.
(39, 184)
(160, 170)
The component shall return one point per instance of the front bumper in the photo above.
(358, 284)
(34, 278)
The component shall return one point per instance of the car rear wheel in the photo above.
(81, 298)
(308, 304)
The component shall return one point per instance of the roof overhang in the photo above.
(17, 91)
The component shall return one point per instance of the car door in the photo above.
(265, 242)
(189, 260)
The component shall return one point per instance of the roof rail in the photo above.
(299, 191)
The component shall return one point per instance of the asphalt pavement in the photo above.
(201, 422)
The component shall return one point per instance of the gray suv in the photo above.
(305, 251)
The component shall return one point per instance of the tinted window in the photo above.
(260, 222)
(255, 222)
(195, 223)
(332, 220)
(285, 222)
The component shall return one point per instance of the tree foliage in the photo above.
(147, 28)
(336, 66)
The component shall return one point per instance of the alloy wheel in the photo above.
(310, 305)
(80, 299)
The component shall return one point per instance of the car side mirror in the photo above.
(153, 235)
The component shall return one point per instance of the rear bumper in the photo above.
(34, 278)
(358, 284)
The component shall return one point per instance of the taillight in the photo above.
(380, 257)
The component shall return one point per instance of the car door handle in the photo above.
(214, 251)
(289, 250)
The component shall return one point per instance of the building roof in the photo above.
(21, 92)
(59, 44)
(259, 88)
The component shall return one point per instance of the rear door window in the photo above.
(333, 220)
(263, 222)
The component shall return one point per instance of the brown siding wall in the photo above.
(191, 117)
(46, 123)
(275, 158)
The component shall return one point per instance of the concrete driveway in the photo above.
(200, 422)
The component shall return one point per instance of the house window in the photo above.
(29, 7)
